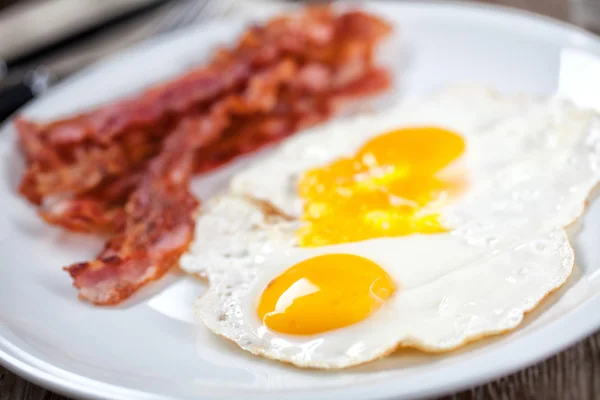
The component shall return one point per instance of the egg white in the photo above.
(448, 294)
(532, 164)
(471, 112)
(233, 233)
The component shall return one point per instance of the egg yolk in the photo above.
(324, 293)
(392, 186)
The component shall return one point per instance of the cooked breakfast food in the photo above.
(429, 225)
(124, 168)
(435, 222)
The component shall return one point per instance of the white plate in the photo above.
(151, 348)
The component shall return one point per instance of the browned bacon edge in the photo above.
(159, 223)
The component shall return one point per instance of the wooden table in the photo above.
(572, 374)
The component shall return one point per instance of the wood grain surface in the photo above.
(571, 375)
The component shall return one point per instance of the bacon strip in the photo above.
(159, 223)
(101, 209)
(91, 211)
(293, 112)
(76, 154)
(125, 168)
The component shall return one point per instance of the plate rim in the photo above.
(564, 335)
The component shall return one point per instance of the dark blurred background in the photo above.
(4, 3)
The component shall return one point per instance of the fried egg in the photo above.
(429, 225)
(343, 305)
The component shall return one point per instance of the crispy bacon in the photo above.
(293, 112)
(76, 154)
(97, 210)
(90, 164)
(83, 215)
(101, 210)
(125, 167)
(159, 222)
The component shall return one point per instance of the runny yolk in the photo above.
(392, 186)
(324, 293)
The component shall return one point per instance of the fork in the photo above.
(19, 87)
(190, 12)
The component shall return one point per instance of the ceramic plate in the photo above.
(152, 348)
